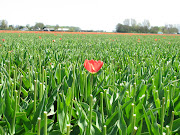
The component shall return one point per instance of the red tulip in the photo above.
(3, 40)
(39, 37)
(54, 41)
(60, 38)
(155, 39)
(93, 66)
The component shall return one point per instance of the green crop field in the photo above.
(45, 88)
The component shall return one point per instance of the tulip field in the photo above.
(89, 84)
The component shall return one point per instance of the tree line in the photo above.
(128, 26)
(131, 26)
(38, 26)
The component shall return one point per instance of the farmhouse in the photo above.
(24, 29)
(48, 29)
(63, 29)
(160, 32)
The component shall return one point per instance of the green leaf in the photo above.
(2, 104)
(129, 129)
(140, 128)
(147, 121)
(122, 124)
(25, 93)
(61, 113)
(9, 112)
(39, 110)
(55, 132)
(53, 82)
(69, 96)
(2, 69)
(52, 97)
(29, 133)
(95, 130)
(112, 120)
(3, 123)
(148, 113)
(82, 119)
(176, 126)
(1, 131)
(26, 82)
(114, 130)
(21, 116)
(142, 90)
(155, 128)
(49, 126)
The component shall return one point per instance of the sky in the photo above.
(89, 14)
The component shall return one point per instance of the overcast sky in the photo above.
(89, 14)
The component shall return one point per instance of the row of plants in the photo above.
(49, 86)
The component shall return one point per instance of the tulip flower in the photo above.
(39, 37)
(3, 40)
(54, 41)
(93, 66)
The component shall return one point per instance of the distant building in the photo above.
(38, 29)
(63, 29)
(86, 31)
(48, 29)
(160, 32)
(24, 29)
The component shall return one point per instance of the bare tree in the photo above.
(3, 24)
(146, 23)
(133, 22)
(126, 22)
(56, 27)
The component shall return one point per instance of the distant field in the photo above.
(137, 90)
(56, 32)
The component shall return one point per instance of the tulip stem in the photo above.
(40, 92)
(90, 113)
(101, 106)
(35, 94)
(45, 123)
(19, 89)
(104, 130)
(39, 126)
(68, 129)
(91, 83)
(85, 92)
(162, 114)
(171, 122)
